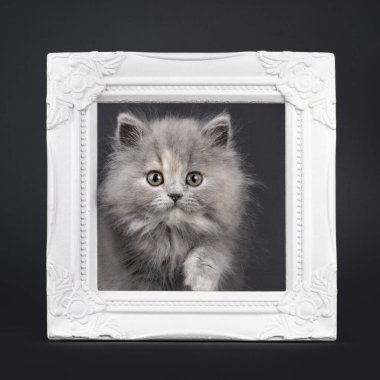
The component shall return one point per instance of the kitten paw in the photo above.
(200, 274)
(200, 283)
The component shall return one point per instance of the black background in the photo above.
(29, 30)
(259, 135)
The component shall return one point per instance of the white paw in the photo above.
(199, 282)
(200, 274)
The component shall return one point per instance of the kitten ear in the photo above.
(218, 129)
(129, 129)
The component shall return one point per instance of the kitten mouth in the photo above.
(176, 206)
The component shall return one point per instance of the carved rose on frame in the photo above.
(303, 307)
(77, 83)
(73, 301)
(305, 80)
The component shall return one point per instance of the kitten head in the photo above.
(181, 172)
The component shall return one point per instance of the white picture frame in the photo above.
(305, 82)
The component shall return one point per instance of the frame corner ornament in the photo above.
(302, 308)
(77, 304)
(305, 80)
(75, 80)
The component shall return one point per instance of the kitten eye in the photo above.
(194, 179)
(155, 178)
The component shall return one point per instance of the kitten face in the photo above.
(172, 170)
(173, 191)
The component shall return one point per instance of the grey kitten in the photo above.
(171, 206)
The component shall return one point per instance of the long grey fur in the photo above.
(146, 241)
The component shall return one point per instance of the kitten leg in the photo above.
(204, 267)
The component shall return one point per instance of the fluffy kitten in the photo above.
(171, 206)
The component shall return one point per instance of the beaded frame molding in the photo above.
(305, 82)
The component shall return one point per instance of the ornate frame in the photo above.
(305, 82)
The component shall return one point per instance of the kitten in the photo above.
(172, 206)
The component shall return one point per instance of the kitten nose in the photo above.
(175, 197)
